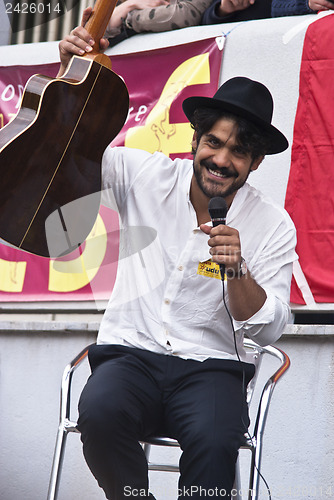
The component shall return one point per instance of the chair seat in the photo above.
(166, 441)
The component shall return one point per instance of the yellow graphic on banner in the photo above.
(12, 275)
(209, 269)
(158, 134)
(67, 276)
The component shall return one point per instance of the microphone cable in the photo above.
(218, 210)
(243, 382)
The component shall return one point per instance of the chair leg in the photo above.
(254, 479)
(57, 464)
(236, 492)
(147, 450)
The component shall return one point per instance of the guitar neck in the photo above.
(98, 21)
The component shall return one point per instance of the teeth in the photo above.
(218, 174)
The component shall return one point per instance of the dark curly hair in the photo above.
(249, 136)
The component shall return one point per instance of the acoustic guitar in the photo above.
(50, 154)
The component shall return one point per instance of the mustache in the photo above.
(223, 170)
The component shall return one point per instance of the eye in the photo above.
(213, 142)
(240, 151)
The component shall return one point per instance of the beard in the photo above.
(211, 188)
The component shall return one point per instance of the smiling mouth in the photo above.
(225, 174)
(216, 173)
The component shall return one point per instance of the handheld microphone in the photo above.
(218, 211)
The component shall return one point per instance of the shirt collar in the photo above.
(234, 209)
(237, 203)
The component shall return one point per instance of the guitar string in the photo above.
(61, 159)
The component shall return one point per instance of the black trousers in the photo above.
(133, 394)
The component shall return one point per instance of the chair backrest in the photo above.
(254, 354)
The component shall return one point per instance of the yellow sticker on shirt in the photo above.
(209, 269)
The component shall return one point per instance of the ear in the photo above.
(194, 142)
(256, 163)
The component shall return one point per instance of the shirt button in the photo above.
(167, 301)
(180, 268)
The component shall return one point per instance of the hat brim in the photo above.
(279, 141)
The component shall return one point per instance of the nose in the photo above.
(222, 157)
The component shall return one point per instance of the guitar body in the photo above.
(50, 156)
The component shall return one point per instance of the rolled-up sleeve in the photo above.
(271, 267)
(266, 325)
(175, 15)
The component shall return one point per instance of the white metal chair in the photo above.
(252, 442)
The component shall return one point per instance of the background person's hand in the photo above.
(229, 6)
(123, 9)
(320, 5)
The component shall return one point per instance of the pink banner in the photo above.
(158, 81)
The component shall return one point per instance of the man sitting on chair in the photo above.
(169, 358)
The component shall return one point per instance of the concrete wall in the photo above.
(298, 452)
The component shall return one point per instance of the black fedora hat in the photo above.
(246, 98)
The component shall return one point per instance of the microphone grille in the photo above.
(217, 208)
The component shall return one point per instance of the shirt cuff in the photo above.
(263, 316)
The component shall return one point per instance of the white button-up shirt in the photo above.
(168, 297)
